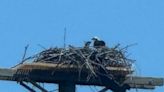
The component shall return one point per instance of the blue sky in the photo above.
(42, 22)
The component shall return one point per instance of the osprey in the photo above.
(87, 44)
(98, 43)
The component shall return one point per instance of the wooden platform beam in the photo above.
(131, 81)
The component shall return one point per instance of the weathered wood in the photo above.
(144, 81)
(47, 66)
(7, 74)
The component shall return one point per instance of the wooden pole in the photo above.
(67, 87)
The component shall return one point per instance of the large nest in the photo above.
(79, 56)
(88, 58)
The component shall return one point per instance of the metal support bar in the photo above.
(104, 89)
(121, 89)
(38, 86)
(67, 87)
(27, 87)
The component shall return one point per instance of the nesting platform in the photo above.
(51, 73)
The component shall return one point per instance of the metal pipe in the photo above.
(27, 87)
(38, 86)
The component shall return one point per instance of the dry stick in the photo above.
(129, 46)
(24, 55)
(96, 76)
(41, 46)
(89, 77)
(103, 67)
(87, 63)
(81, 67)
(23, 58)
(79, 53)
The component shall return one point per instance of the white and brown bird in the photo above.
(97, 42)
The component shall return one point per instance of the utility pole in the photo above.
(67, 87)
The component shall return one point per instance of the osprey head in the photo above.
(95, 38)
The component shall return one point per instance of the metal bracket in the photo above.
(34, 84)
